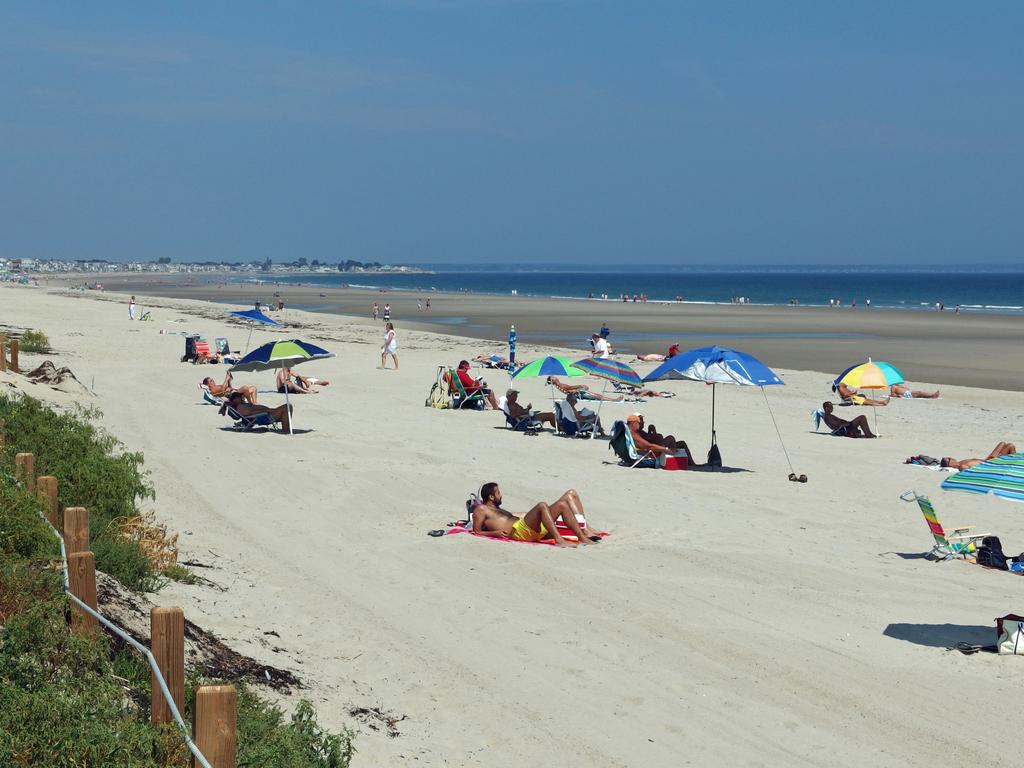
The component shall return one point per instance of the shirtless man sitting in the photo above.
(650, 440)
(1001, 449)
(489, 519)
(518, 412)
(226, 388)
(857, 427)
(568, 389)
(281, 414)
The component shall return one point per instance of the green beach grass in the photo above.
(68, 701)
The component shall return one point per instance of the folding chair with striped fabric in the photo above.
(959, 543)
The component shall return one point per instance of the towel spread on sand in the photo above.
(565, 533)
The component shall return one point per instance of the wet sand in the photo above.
(942, 348)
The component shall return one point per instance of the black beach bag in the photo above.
(990, 553)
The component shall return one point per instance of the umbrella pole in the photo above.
(712, 413)
(288, 406)
(247, 340)
(599, 404)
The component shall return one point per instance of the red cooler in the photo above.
(682, 461)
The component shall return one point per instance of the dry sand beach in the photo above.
(731, 617)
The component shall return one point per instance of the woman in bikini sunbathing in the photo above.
(226, 388)
(582, 390)
(1001, 449)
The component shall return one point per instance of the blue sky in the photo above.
(514, 131)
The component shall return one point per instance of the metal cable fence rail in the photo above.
(157, 674)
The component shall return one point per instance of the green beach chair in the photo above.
(461, 398)
(959, 543)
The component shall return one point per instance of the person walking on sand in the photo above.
(387, 313)
(131, 308)
(390, 344)
(376, 310)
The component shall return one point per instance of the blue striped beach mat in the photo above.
(1002, 476)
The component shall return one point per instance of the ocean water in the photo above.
(992, 291)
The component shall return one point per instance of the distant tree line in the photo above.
(349, 264)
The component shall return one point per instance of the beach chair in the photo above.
(522, 423)
(621, 442)
(959, 543)
(202, 349)
(222, 346)
(247, 423)
(209, 397)
(461, 398)
(567, 423)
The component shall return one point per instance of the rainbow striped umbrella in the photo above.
(1002, 476)
(870, 375)
(613, 370)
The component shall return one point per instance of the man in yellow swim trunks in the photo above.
(489, 519)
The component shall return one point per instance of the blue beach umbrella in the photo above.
(1002, 476)
(253, 316)
(718, 365)
(281, 354)
(511, 349)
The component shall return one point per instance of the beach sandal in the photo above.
(437, 532)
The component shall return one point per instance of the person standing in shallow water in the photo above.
(390, 346)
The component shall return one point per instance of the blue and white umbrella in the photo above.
(253, 316)
(718, 365)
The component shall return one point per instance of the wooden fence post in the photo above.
(46, 490)
(76, 530)
(82, 578)
(216, 712)
(25, 469)
(3, 353)
(14, 356)
(167, 642)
